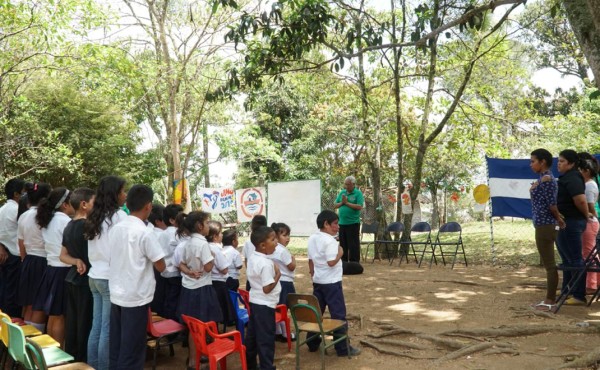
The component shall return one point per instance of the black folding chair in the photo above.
(590, 264)
(390, 245)
(450, 234)
(422, 232)
(368, 229)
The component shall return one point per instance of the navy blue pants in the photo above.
(158, 302)
(332, 296)
(128, 337)
(350, 242)
(568, 243)
(260, 337)
(10, 272)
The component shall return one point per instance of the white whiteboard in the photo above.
(295, 203)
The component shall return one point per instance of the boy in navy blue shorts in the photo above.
(324, 254)
(263, 276)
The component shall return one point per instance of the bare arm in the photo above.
(269, 288)
(581, 204)
(337, 258)
(22, 251)
(554, 210)
(65, 257)
(292, 265)
(160, 265)
(311, 268)
(3, 254)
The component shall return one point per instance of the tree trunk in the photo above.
(435, 214)
(584, 17)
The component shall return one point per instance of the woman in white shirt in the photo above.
(53, 215)
(106, 213)
(33, 255)
(589, 171)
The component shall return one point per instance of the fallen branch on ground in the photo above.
(472, 349)
(393, 353)
(400, 343)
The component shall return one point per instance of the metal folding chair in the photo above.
(449, 234)
(368, 229)
(590, 264)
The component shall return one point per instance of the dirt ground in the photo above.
(432, 314)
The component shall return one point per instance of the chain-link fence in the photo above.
(501, 241)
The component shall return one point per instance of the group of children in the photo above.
(78, 262)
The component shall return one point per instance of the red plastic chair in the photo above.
(220, 347)
(281, 315)
(163, 329)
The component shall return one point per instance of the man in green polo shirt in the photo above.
(350, 201)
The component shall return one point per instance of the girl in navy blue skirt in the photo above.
(33, 255)
(53, 215)
(198, 298)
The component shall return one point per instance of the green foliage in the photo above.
(95, 137)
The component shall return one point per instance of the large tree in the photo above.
(584, 17)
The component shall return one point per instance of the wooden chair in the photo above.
(163, 332)
(306, 314)
(219, 348)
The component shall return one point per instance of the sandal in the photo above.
(543, 306)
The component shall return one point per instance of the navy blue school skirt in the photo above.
(32, 272)
(201, 303)
(287, 287)
(51, 296)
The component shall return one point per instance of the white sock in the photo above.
(40, 327)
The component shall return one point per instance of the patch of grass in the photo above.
(514, 243)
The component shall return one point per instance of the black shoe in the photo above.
(313, 349)
(204, 360)
(352, 351)
(280, 338)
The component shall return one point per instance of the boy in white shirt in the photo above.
(257, 221)
(134, 253)
(263, 276)
(230, 244)
(324, 254)
(168, 241)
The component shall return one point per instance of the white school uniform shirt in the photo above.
(196, 254)
(99, 248)
(178, 253)
(249, 248)
(8, 226)
(30, 232)
(133, 250)
(591, 194)
(282, 257)
(323, 247)
(260, 273)
(221, 262)
(168, 242)
(235, 261)
(53, 238)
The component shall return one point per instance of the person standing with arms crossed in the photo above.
(350, 201)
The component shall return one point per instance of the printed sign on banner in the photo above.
(249, 203)
(217, 200)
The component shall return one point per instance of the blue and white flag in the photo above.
(509, 182)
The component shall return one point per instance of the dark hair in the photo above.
(170, 212)
(23, 205)
(214, 229)
(48, 206)
(106, 205)
(80, 195)
(186, 224)
(280, 228)
(36, 192)
(260, 235)
(13, 186)
(257, 221)
(570, 155)
(229, 236)
(326, 216)
(589, 163)
(156, 214)
(543, 155)
(138, 197)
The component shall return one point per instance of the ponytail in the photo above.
(48, 206)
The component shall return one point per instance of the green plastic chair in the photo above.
(306, 314)
(17, 349)
(36, 355)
